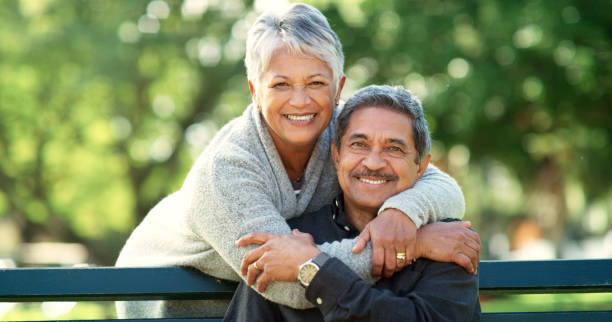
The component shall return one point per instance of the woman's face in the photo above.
(296, 97)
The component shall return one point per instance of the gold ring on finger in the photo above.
(255, 266)
(400, 256)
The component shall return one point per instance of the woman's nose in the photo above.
(299, 97)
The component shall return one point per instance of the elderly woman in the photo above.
(273, 163)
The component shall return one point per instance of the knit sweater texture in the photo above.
(239, 185)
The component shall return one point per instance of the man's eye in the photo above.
(358, 144)
(316, 83)
(280, 85)
(395, 150)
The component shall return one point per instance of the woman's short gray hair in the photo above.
(303, 30)
(396, 98)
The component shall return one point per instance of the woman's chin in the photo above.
(305, 142)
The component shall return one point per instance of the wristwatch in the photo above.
(309, 269)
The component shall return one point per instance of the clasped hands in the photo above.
(391, 233)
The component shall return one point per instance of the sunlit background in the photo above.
(104, 106)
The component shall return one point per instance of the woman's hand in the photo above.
(391, 233)
(277, 259)
(450, 242)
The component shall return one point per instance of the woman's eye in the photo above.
(358, 144)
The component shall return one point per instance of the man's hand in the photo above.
(391, 232)
(450, 242)
(277, 259)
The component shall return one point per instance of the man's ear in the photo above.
(423, 165)
(334, 152)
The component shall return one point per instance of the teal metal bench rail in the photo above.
(547, 277)
(153, 283)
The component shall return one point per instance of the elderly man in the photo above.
(381, 147)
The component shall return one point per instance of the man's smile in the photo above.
(372, 181)
(373, 177)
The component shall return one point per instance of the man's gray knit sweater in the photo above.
(239, 185)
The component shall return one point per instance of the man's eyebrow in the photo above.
(397, 141)
(356, 136)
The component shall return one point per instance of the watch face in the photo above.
(307, 273)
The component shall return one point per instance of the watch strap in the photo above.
(321, 259)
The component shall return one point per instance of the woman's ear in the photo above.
(253, 91)
(251, 88)
(339, 90)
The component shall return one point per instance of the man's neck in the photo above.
(358, 216)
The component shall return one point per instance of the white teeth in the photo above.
(372, 181)
(300, 117)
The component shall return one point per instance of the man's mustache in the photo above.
(375, 174)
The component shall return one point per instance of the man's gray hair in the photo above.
(303, 30)
(396, 98)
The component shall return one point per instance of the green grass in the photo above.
(547, 302)
(82, 310)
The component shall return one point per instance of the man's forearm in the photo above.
(442, 293)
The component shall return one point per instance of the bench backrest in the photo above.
(153, 283)
(547, 277)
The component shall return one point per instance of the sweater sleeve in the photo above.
(434, 196)
(228, 197)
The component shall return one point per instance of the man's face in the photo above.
(376, 159)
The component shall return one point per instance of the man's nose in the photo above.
(299, 97)
(374, 160)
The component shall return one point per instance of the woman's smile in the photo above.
(300, 119)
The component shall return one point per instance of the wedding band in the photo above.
(400, 256)
(255, 266)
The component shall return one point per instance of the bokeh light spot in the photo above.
(128, 32)
(532, 88)
(148, 24)
(528, 36)
(458, 68)
(158, 9)
(209, 53)
(163, 106)
(193, 9)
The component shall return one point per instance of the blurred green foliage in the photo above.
(104, 105)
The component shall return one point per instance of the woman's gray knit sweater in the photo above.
(239, 185)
